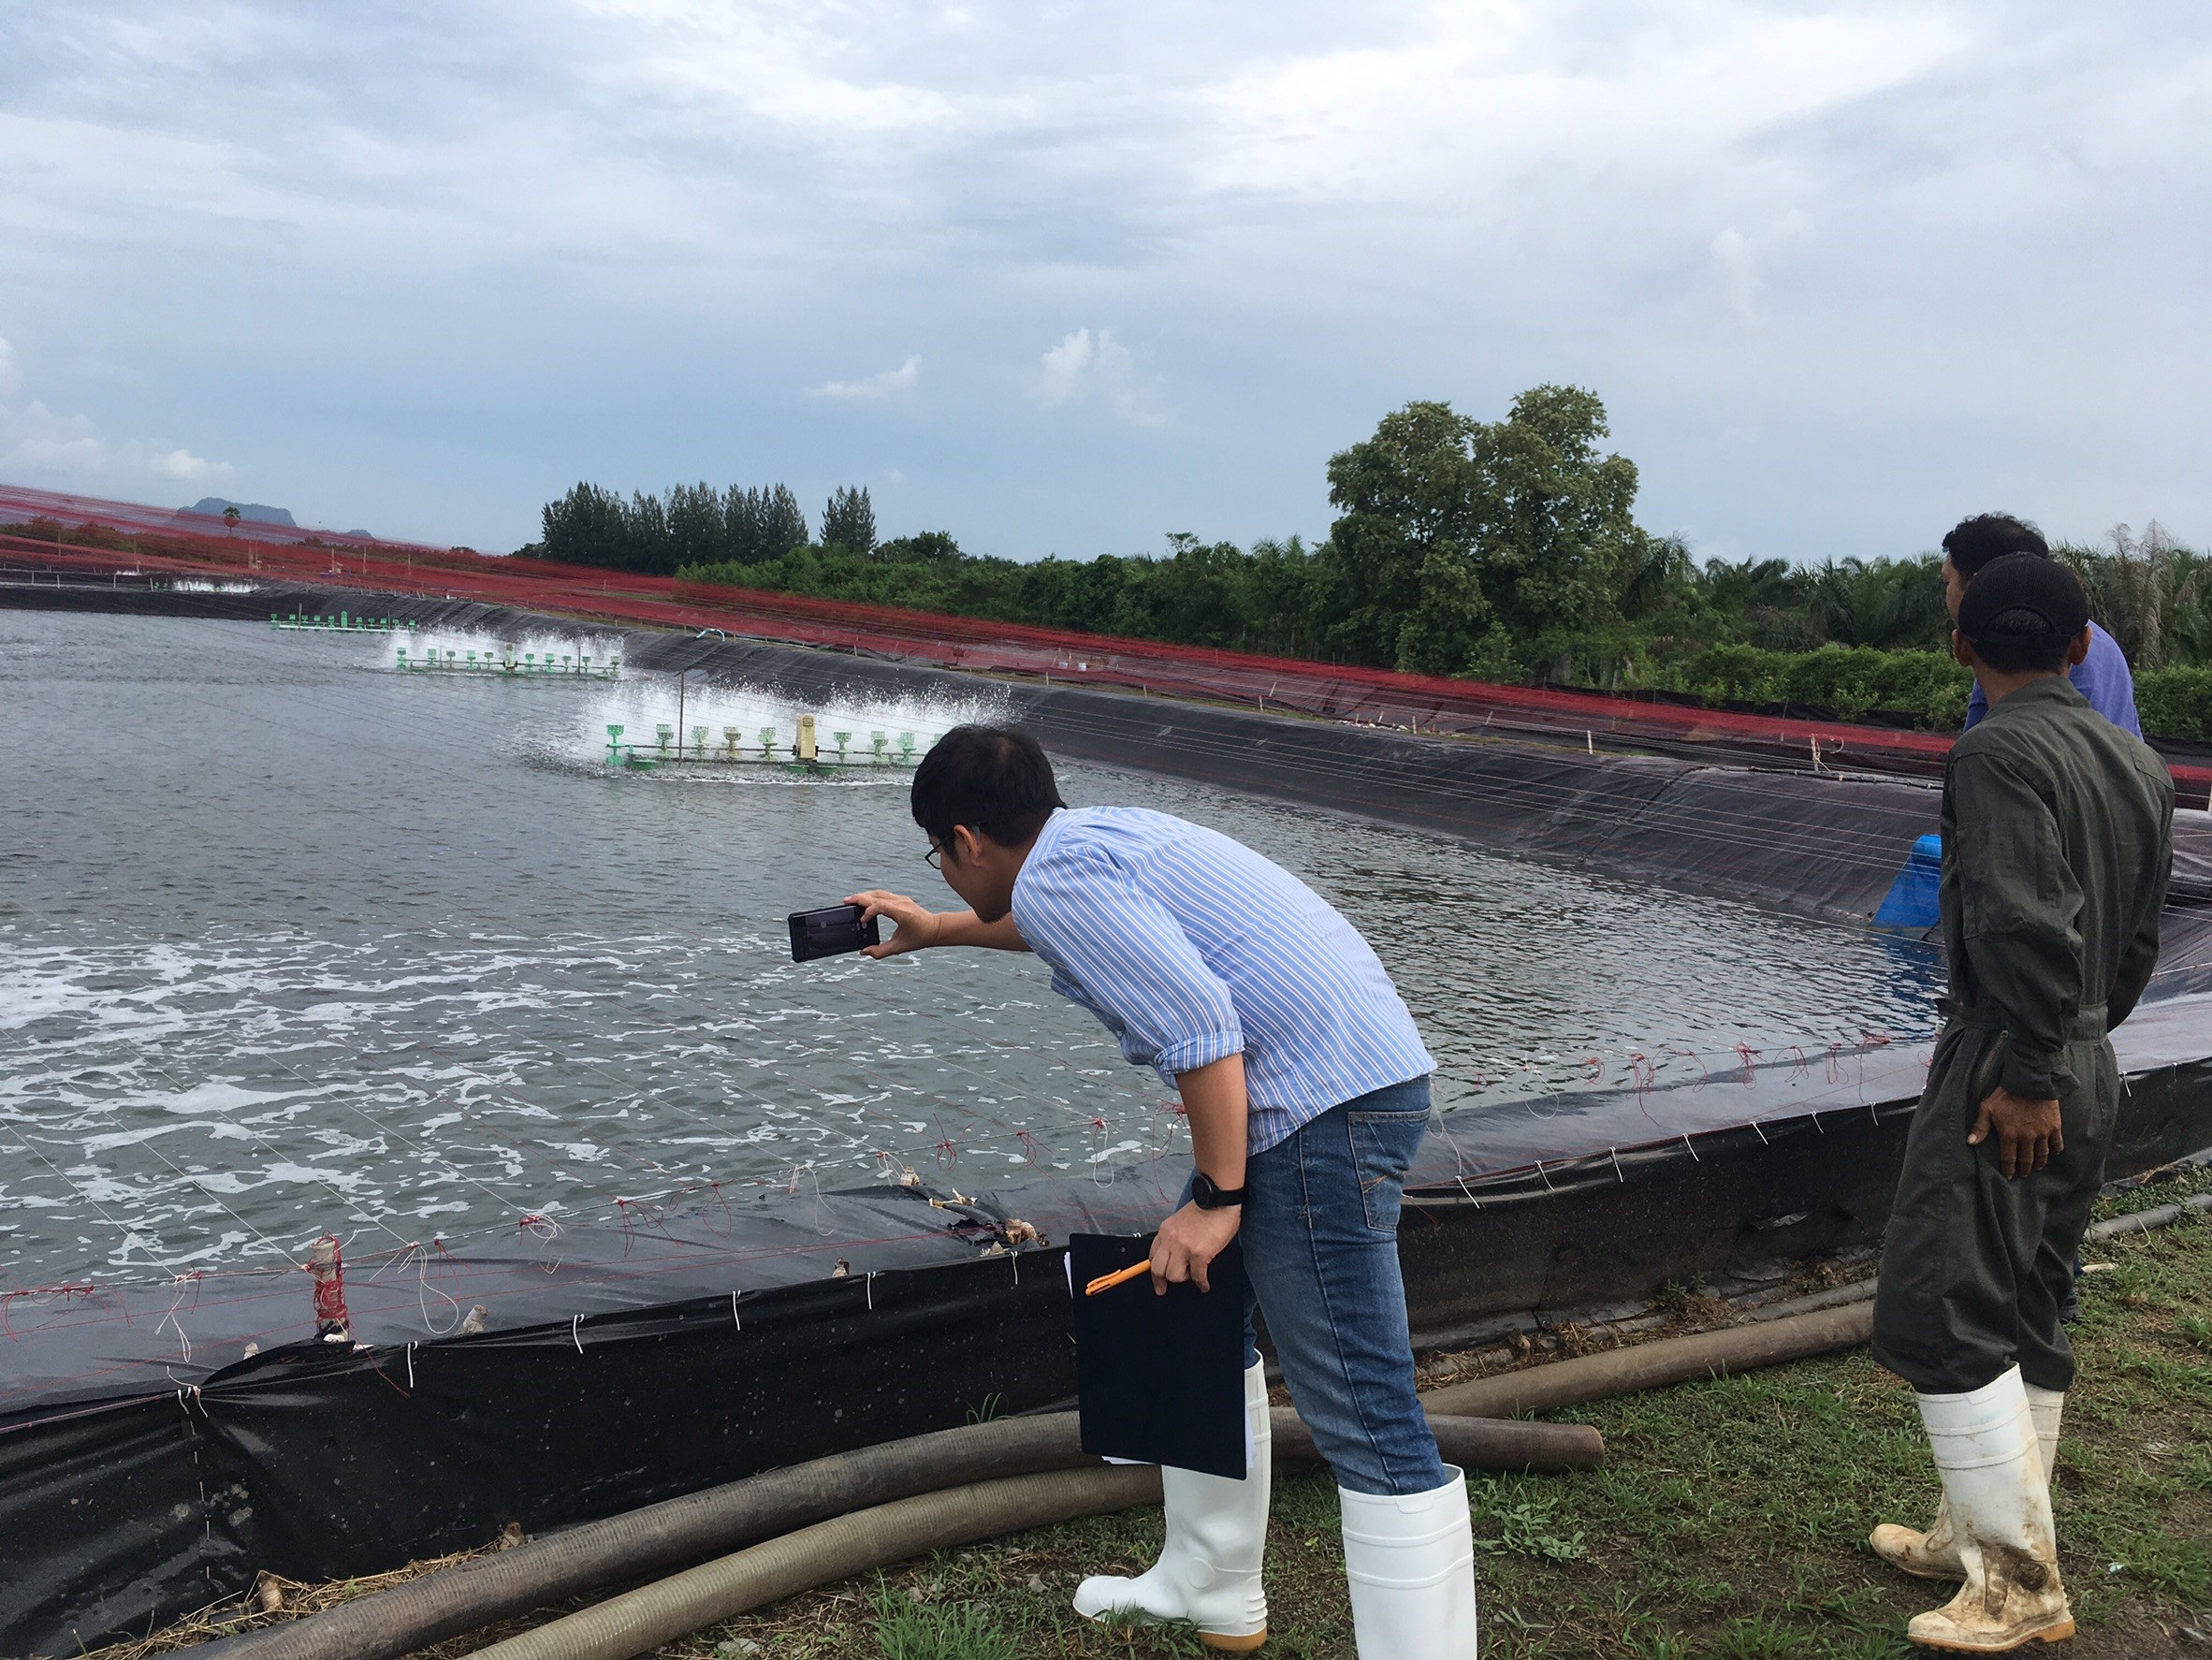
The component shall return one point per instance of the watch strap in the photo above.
(1209, 1195)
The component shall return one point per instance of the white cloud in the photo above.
(791, 67)
(35, 441)
(183, 463)
(1741, 262)
(1085, 368)
(890, 384)
(36, 445)
(1066, 365)
(1735, 273)
(1482, 101)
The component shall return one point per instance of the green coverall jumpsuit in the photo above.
(2058, 838)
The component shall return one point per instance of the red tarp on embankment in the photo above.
(155, 541)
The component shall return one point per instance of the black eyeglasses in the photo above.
(933, 857)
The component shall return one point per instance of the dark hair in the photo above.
(994, 779)
(1974, 542)
(2022, 612)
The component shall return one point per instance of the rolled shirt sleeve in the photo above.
(1118, 952)
(2020, 907)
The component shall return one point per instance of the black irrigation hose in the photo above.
(2163, 1215)
(646, 1618)
(682, 1531)
(659, 1538)
(1655, 1366)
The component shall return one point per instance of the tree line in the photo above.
(695, 524)
(1503, 550)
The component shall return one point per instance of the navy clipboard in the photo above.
(1162, 1378)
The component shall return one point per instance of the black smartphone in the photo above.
(832, 932)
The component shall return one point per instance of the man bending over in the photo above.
(1307, 1091)
(2058, 835)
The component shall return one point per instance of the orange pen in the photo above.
(1106, 1282)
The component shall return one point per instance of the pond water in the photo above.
(291, 943)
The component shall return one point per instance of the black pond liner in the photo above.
(148, 1467)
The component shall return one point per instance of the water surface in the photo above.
(290, 943)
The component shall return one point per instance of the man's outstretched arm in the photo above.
(918, 926)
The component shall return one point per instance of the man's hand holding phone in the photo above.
(917, 925)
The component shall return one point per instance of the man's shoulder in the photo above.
(1075, 838)
(1081, 844)
(1080, 828)
(1998, 735)
(2037, 738)
(2017, 736)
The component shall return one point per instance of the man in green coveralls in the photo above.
(2058, 836)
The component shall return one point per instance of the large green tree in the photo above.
(849, 521)
(1405, 541)
(588, 526)
(1463, 543)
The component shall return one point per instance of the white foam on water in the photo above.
(228, 1099)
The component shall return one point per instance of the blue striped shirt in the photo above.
(1191, 947)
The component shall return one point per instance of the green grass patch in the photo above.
(906, 1629)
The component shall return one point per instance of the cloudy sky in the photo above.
(1065, 278)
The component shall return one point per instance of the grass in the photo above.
(1728, 1523)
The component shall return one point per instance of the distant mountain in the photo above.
(252, 511)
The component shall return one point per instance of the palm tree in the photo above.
(2149, 593)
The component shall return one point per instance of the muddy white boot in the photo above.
(1934, 1554)
(1410, 1561)
(1931, 1555)
(2046, 1407)
(1208, 1571)
(1999, 1503)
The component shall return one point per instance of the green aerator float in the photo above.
(805, 754)
(530, 665)
(340, 624)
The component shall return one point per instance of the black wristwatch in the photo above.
(1210, 1195)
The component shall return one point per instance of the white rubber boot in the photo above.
(1934, 1554)
(1986, 1447)
(1931, 1555)
(2046, 1407)
(1208, 1571)
(1411, 1564)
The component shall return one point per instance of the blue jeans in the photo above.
(1320, 1238)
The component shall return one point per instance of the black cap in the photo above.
(2024, 582)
